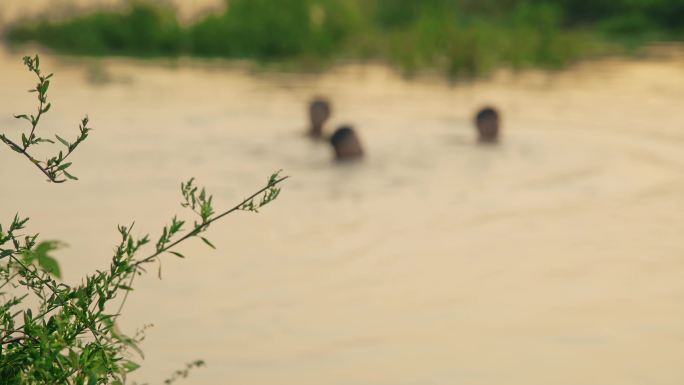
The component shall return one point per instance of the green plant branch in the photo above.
(183, 373)
(55, 167)
(199, 229)
(33, 160)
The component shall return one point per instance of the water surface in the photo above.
(555, 258)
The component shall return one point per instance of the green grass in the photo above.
(459, 37)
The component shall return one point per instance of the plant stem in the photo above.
(33, 160)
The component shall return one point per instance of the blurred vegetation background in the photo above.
(459, 37)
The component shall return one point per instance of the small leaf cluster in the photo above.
(267, 197)
(184, 373)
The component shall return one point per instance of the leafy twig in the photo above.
(55, 167)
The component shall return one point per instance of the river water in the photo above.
(554, 258)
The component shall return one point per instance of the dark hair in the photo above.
(486, 113)
(341, 134)
(320, 103)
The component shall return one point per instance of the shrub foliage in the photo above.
(462, 37)
(55, 333)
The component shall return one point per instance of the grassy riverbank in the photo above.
(460, 37)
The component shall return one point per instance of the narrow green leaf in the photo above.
(50, 265)
(44, 87)
(208, 243)
(177, 254)
(92, 378)
(61, 140)
(130, 366)
(69, 175)
(64, 166)
(73, 357)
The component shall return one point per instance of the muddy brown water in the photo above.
(555, 258)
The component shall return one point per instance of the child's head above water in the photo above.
(346, 144)
(319, 113)
(487, 124)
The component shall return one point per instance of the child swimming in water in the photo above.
(346, 144)
(319, 113)
(487, 124)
